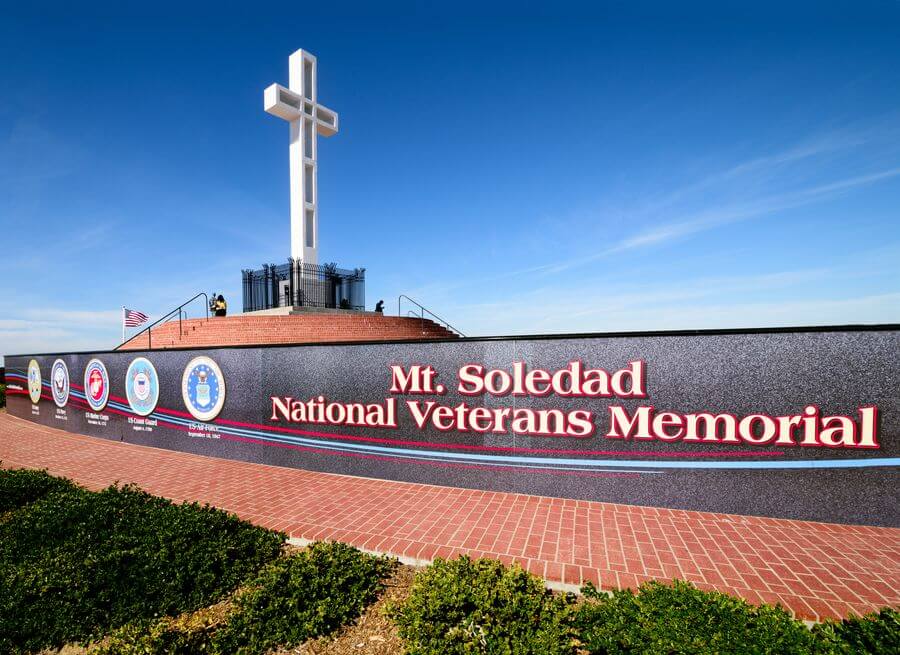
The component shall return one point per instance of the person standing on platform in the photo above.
(379, 307)
(220, 307)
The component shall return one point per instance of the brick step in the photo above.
(280, 330)
(294, 338)
(277, 330)
(287, 340)
(304, 328)
(296, 329)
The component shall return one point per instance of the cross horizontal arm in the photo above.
(326, 121)
(284, 103)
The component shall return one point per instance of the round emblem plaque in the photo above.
(142, 386)
(34, 381)
(203, 388)
(59, 382)
(96, 385)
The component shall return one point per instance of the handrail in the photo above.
(424, 310)
(157, 322)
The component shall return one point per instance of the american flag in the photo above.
(134, 318)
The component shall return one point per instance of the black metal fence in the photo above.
(299, 284)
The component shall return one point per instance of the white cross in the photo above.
(297, 105)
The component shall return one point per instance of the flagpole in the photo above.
(123, 323)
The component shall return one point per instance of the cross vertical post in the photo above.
(299, 105)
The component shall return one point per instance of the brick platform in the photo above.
(311, 327)
(817, 570)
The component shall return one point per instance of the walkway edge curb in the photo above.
(418, 563)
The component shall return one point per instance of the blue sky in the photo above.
(524, 168)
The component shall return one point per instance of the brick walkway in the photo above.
(817, 570)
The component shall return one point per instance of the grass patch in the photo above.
(479, 606)
(74, 563)
(188, 634)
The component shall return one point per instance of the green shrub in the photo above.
(307, 594)
(22, 486)
(876, 633)
(2, 395)
(465, 606)
(663, 619)
(74, 565)
(294, 598)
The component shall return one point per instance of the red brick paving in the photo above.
(817, 570)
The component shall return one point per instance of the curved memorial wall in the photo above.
(800, 423)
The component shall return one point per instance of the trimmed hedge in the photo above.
(75, 564)
(305, 595)
(877, 633)
(463, 606)
(661, 619)
(679, 618)
(20, 487)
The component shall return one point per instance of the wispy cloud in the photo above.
(765, 166)
(701, 303)
(32, 154)
(74, 318)
(719, 217)
(50, 329)
(63, 246)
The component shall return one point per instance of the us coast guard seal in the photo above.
(203, 388)
(96, 385)
(34, 381)
(142, 386)
(59, 382)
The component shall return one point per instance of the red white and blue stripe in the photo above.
(134, 318)
(502, 457)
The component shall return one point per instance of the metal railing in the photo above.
(298, 284)
(421, 314)
(181, 314)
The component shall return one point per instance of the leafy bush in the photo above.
(662, 619)
(465, 606)
(22, 486)
(307, 594)
(2, 395)
(876, 633)
(76, 564)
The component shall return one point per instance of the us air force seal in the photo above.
(59, 383)
(203, 388)
(96, 385)
(142, 386)
(34, 381)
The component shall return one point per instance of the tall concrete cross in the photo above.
(299, 106)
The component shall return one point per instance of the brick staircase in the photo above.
(250, 329)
